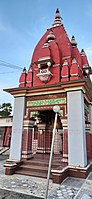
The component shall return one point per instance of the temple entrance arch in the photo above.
(39, 122)
(42, 132)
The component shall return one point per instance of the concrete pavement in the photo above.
(25, 187)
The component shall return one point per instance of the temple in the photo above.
(59, 74)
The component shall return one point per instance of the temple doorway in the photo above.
(42, 133)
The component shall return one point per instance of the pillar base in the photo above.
(11, 166)
(78, 172)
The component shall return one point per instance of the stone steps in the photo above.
(32, 173)
(38, 166)
(39, 163)
(34, 168)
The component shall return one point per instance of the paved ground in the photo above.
(25, 187)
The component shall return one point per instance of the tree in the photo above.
(5, 109)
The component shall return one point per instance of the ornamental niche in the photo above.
(44, 73)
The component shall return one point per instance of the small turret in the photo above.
(73, 42)
(83, 52)
(22, 80)
(84, 59)
(29, 78)
(85, 64)
(75, 70)
(65, 71)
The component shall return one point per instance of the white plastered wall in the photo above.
(17, 128)
(76, 129)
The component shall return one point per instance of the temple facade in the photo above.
(59, 74)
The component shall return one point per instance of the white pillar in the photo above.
(76, 129)
(17, 128)
(90, 117)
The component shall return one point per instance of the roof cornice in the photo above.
(84, 84)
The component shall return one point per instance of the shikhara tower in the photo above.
(58, 74)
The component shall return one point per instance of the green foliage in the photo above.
(5, 109)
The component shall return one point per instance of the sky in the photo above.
(23, 23)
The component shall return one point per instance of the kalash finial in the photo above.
(57, 10)
(57, 21)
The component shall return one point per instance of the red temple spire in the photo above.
(57, 21)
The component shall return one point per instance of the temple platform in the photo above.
(38, 165)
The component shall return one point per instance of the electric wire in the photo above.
(2, 73)
(9, 65)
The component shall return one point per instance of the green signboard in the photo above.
(47, 102)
